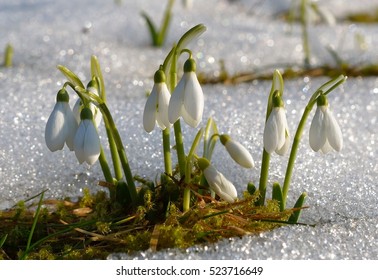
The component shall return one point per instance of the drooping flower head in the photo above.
(61, 125)
(237, 151)
(325, 133)
(97, 116)
(156, 108)
(87, 144)
(276, 132)
(187, 98)
(217, 182)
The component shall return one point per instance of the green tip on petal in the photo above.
(86, 114)
(62, 96)
(190, 65)
(224, 138)
(203, 163)
(322, 100)
(277, 101)
(92, 84)
(159, 77)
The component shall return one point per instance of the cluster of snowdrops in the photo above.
(169, 101)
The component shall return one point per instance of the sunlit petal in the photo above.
(149, 114)
(317, 136)
(176, 102)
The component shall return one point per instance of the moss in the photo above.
(92, 228)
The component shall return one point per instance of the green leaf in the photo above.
(96, 72)
(299, 204)
(71, 76)
(165, 25)
(2, 240)
(189, 36)
(151, 28)
(277, 195)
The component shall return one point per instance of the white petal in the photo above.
(149, 114)
(71, 126)
(97, 116)
(163, 102)
(79, 142)
(77, 109)
(92, 145)
(176, 102)
(326, 148)
(283, 150)
(317, 136)
(271, 133)
(193, 98)
(219, 184)
(239, 154)
(333, 131)
(55, 133)
(188, 119)
(281, 127)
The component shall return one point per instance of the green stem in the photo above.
(97, 74)
(167, 151)
(105, 166)
(293, 153)
(263, 177)
(188, 169)
(107, 173)
(109, 122)
(180, 147)
(114, 154)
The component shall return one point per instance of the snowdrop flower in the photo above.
(237, 151)
(87, 142)
(325, 132)
(276, 132)
(187, 98)
(92, 88)
(61, 125)
(156, 108)
(217, 182)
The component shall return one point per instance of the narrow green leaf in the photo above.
(277, 195)
(299, 204)
(71, 76)
(2, 240)
(33, 226)
(165, 25)
(96, 72)
(151, 28)
(189, 36)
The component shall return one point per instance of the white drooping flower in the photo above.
(276, 132)
(217, 182)
(87, 144)
(187, 98)
(156, 108)
(97, 116)
(61, 125)
(325, 132)
(237, 151)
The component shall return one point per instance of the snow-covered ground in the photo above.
(247, 35)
